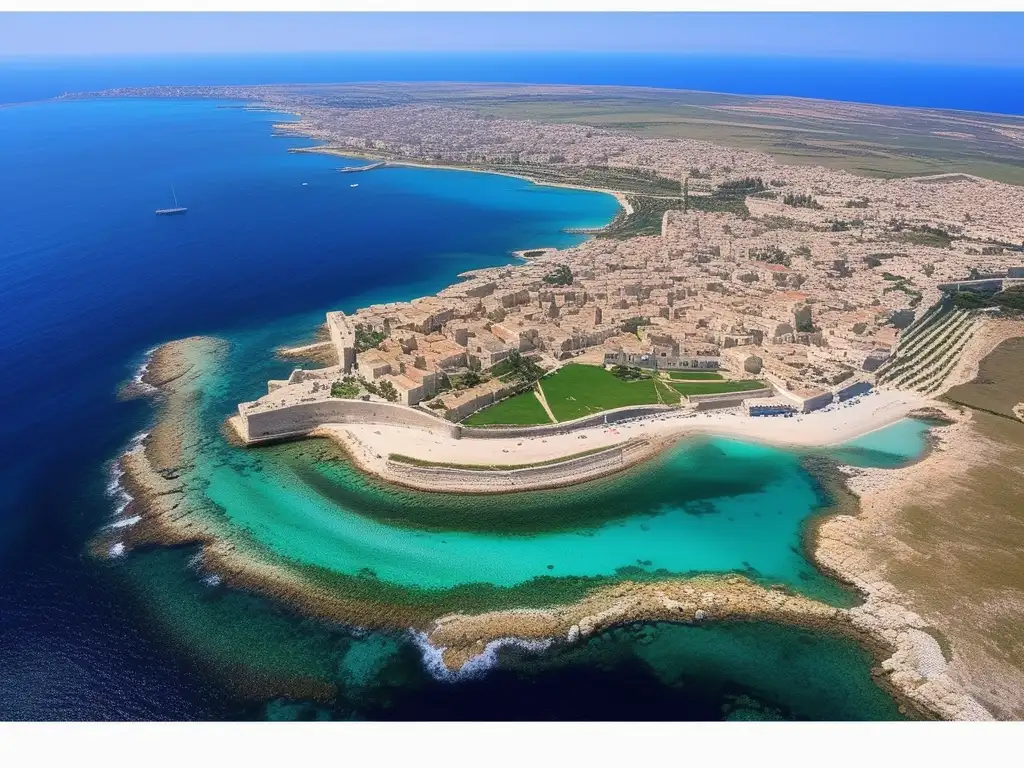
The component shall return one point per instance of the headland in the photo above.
(793, 305)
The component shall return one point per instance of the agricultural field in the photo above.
(580, 390)
(523, 409)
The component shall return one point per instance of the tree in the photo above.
(525, 368)
(387, 391)
(561, 276)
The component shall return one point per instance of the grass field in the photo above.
(715, 387)
(579, 390)
(522, 409)
(695, 375)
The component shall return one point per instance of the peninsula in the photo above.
(734, 295)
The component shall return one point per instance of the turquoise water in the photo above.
(711, 505)
(893, 446)
(257, 260)
(660, 528)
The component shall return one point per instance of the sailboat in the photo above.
(171, 211)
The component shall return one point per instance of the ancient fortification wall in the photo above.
(296, 420)
(530, 478)
(343, 336)
(720, 396)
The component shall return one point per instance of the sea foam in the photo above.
(477, 665)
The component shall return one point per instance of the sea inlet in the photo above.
(272, 240)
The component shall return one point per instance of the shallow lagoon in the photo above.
(708, 505)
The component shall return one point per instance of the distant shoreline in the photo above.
(620, 197)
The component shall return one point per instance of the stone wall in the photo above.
(720, 396)
(298, 419)
(529, 478)
(343, 336)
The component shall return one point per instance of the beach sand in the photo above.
(369, 445)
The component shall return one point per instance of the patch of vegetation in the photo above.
(779, 222)
(562, 275)
(802, 250)
(770, 254)
(348, 388)
(695, 375)
(715, 204)
(518, 366)
(740, 187)
(1011, 299)
(931, 237)
(383, 389)
(717, 387)
(579, 390)
(529, 254)
(523, 409)
(367, 338)
(800, 201)
(840, 225)
(628, 372)
(465, 380)
(860, 202)
(645, 219)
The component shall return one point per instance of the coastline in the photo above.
(620, 197)
(156, 474)
(837, 544)
(896, 636)
(370, 445)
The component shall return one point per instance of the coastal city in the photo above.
(594, 367)
(772, 288)
(733, 296)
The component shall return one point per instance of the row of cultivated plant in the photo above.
(924, 358)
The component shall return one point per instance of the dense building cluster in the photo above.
(805, 278)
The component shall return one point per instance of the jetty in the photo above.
(358, 168)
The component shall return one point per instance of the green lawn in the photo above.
(579, 390)
(695, 375)
(716, 387)
(522, 409)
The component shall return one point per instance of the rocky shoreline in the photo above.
(917, 667)
(157, 475)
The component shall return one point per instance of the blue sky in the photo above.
(948, 37)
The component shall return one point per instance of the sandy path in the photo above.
(538, 392)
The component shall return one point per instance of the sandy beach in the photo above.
(157, 473)
(370, 445)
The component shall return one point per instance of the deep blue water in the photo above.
(90, 278)
(893, 83)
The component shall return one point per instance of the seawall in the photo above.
(299, 419)
(556, 475)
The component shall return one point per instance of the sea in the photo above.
(977, 87)
(91, 281)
